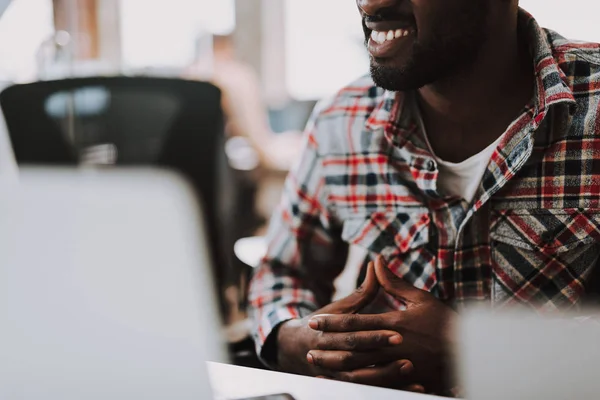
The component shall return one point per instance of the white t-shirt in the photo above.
(461, 179)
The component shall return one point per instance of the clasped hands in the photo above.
(408, 349)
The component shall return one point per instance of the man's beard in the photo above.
(452, 47)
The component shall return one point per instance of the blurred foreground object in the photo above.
(251, 250)
(8, 164)
(131, 122)
(519, 355)
(106, 288)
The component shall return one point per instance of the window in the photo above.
(163, 34)
(324, 47)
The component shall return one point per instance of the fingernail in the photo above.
(416, 389)
(310, 358)
(407, 368)
(313, 323)
(419, 389)
(395, 340)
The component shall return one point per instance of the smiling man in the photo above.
(467, 164)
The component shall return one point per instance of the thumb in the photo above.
(393, 284)
(359, 299)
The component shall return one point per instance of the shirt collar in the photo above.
(551, 84)
(386, 109)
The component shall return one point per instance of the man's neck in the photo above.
(477, 105)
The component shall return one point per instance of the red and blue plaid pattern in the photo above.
(531, 237)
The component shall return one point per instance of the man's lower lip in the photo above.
(387, 48)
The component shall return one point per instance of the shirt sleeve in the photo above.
(305, 251)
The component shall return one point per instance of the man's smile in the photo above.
(390, 43)
(389, 38)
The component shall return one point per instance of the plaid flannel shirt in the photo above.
(530, 237)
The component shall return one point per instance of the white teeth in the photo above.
(382, 37)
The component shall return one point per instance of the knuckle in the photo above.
(361, 293)
(323, 323)
(351, 341)
(378, 338)
(317, 359)
(321, 341)
(347, 321)
(397, 319)
(404, 367)
(345, 360)
(346, 377)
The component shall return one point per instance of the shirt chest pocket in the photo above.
(545, 256)
(389, 234)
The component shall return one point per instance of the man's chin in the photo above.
(393, 78)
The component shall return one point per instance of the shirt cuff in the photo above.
(266, 331)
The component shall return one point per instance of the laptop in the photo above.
(105, 288)
(515, 355)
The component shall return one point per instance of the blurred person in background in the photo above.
(467, 164)
(261, 166)
(244, 106)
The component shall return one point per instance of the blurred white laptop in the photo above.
(105, 288)
(518, 356)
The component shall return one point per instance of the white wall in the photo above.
(575, 19)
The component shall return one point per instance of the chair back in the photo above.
(127, 121)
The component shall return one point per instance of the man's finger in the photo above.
(358, 341)
(359, 299)
(353, 322)
(394, 375)
(416, 388)
(349, 360)
(393, 284)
